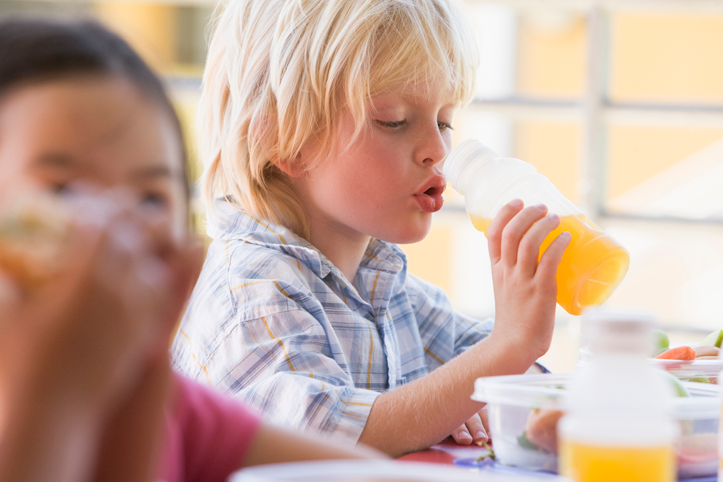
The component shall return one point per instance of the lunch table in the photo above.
(448, 452)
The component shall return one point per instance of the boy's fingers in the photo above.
(484, 416)
(529, 251)
(494, 233)
(516, 229)
(553, 255)
(462, 436)
(476, 429)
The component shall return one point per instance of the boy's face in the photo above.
(95, 129)
(389, 182)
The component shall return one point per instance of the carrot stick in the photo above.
(678, 353)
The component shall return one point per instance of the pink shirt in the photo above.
(207, 435)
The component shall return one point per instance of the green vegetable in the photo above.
(714, 339)
(490, 453)
(524, 442)
(679, 388)
(661, 342)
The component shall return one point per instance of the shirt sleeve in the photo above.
(445, 332)
(281, 365)
(216, 431)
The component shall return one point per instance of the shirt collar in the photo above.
(227, 222)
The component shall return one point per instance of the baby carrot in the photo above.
(678, 353)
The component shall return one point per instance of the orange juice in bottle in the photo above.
(593, 264)
(618, 424)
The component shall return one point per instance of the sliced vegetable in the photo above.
(523, 441)
(714, 339)
(680, 390)
(661, 342)
(678, 353)
(706, 350)
(489, 454)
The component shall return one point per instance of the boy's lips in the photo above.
(429, 197)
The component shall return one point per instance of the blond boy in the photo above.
(322, 127)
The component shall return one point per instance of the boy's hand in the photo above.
(525, 289)
(476, 429)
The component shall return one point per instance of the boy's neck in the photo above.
(344, 250)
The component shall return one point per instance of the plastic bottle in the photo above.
(594, 263)
(618, 424)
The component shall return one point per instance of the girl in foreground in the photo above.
(84, 322)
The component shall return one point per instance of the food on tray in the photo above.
(662, 342)
(32, 233)
(541, 428)
(697, 455)
(714, 339)
(708, 350)
(678, 353)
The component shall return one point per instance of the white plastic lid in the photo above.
(550, 391)
(460, 157)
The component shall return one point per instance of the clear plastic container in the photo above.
(594, 263)
(702, 371)
(512, 399)
(372, 471)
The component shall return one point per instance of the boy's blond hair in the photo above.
(279, 72)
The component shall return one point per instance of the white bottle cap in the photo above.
(630, 332)
(462, 155)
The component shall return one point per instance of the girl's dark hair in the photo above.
(36, 50)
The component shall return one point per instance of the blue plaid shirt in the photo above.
(273, 322)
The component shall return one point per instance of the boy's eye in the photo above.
(392, 124)
(443, 126)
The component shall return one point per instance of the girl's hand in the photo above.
(75, 348)
(525, 289)
(86, 332)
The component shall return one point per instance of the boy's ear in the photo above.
(290, 167)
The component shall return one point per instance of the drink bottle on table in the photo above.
(619, 424)
(593, 264)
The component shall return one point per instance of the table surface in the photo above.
(444, 452)
(447, 451)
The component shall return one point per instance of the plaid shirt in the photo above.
(273, 322)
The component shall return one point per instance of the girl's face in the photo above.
(100, 130)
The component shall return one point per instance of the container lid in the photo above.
(460, 157)
(686, 369)
(372, 471)
(549, 391)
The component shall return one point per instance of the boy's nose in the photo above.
(432, 149)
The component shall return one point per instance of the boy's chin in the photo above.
(410, 235)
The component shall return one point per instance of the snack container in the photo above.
(512, 398)
(703, 371)
(372, 471)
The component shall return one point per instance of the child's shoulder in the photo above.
(252, 248)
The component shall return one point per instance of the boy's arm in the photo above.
(407, 419)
